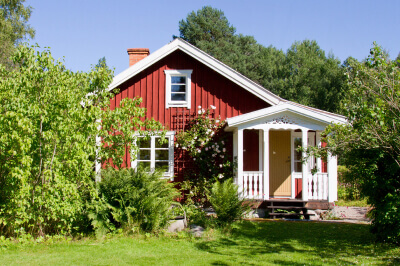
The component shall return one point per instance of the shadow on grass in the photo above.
(299, 243)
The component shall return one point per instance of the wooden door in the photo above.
(280, 184)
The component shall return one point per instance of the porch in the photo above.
(269, 165)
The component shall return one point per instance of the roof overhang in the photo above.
(287, 115)
(211, 62)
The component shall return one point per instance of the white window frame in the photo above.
(310, 142)
(170, 138)
(170, 73)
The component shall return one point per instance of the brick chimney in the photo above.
(137, 54)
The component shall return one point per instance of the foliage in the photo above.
(50, 135)
(227, 202)
(312, 78)
(14, 27)
(208, 24)
(206, 143)
(197, 216)
(348, 188)
(303, 74)
(137, 199)
(369, 143)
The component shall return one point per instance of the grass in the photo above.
(249, 243)
(352, 203)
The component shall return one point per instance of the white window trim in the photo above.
(170, 137)
(310, 142)
(168, 74)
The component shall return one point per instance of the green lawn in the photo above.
(250, 243)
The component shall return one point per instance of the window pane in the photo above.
(144, 155)
(297, 142)
(298, 167)
(178, 79)
(162, 165)
(143, 143)
(164, 145)
(178, 97)
(178, 88)
(161, 154)
(144, 165)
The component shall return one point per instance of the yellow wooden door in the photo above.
(280, 184)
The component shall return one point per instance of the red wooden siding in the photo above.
(298, 187)
(207, 88)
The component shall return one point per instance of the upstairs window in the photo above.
(178, 88)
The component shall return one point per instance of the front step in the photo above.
(288, 208)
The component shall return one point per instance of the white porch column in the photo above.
(304, 138)
(240, 160)
(332, 178)
(235, 153)
(266, 163)
(318, 144)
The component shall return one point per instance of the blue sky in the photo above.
(82, 31)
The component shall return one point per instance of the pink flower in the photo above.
(224, 150)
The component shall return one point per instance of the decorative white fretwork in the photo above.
(282, 120)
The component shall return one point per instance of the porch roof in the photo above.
(286, 113)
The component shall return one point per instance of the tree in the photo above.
(208, 24)
(312, 78)
(304, 74)
(370, 142)
(51, 120)
(14, 27)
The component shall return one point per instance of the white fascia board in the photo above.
(314, 114)
(204, 58)
(142, 65)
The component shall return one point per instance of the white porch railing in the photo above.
(318, 186)
(253, 185)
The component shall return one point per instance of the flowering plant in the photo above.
(208, 146)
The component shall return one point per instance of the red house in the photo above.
(266, 129)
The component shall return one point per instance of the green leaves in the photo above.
(52, 121)
(370, 143)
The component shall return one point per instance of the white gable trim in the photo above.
(211, 62)
(252, 119)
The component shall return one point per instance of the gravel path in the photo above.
(351, 213)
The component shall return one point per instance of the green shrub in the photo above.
(135, 199)
(348, 188)
(227, 202)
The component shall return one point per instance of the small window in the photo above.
(153, 154)
(298, 165)
(178, 88)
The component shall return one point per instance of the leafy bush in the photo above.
(48, 142)
(226, 201)
(208, 146)
(135, 199)
(370, 142)
(348, 188)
